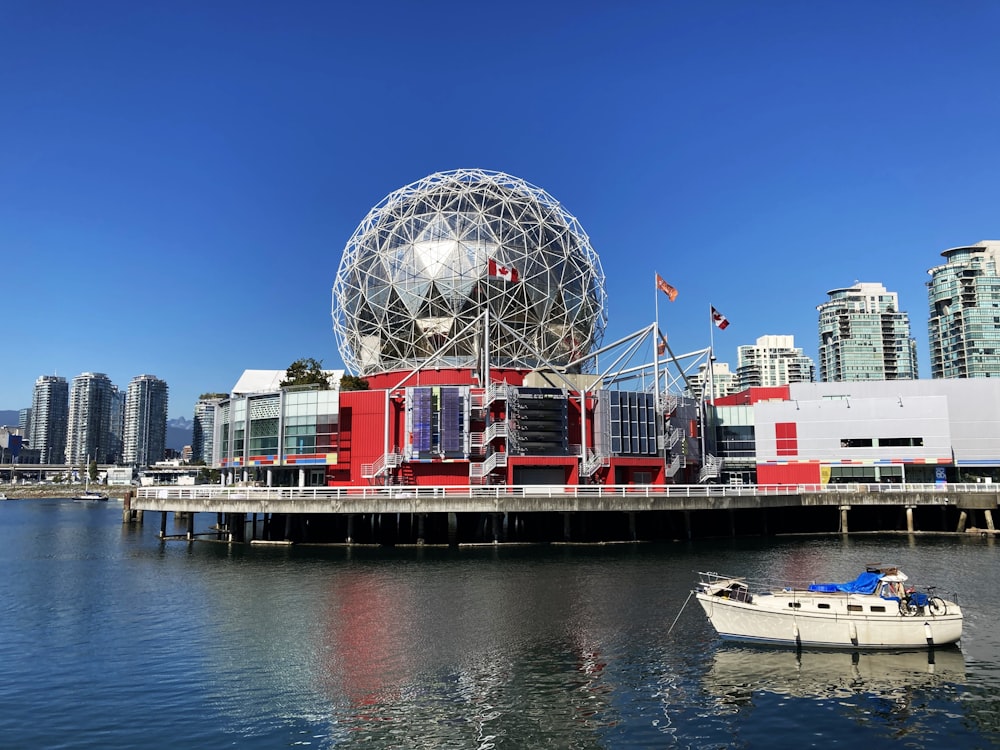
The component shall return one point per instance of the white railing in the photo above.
(495, 392)
(496, 460)
(593, 463)
(479, 440)
(711, 468)
(941, 492)
(674, 436)
(382, 464)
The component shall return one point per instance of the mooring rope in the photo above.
(679, 613)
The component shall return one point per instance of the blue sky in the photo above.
(178, 179)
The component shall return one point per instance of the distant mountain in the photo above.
(179, 431)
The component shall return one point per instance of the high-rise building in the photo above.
(772, 361)
(117, 425)
(722, 383)
(964, 321)
(49, 418)
(145, 434)
(90, 403)
(24, 420)
(203, 434)
(863, 335)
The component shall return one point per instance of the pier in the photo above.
(563, 513)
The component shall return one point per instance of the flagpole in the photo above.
(656, 344)
(486, 340)
(711, 354)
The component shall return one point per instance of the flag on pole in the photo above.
(666, 288)
(661, 345)
(507, 273)
(719, 319)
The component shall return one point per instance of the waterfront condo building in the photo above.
(203, 432)
(772, 361)
(49, 418)
(964, 318)
(721, 383)
(117, 425)
(91, 402)
(145, 432)
(863, 335)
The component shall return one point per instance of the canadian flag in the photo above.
(507, 273)
(719, 319)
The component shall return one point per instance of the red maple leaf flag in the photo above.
(666, 288)
(719, 319)
(507, 273)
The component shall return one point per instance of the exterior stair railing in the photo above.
(711, 468)
(496, 460)
(592, 463)
(381, 465)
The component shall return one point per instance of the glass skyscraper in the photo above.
(964, 319)
(49, 419)
(863, 335)
(145, 433)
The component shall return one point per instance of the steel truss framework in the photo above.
(428, 275)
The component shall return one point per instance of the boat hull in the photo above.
(829, 621)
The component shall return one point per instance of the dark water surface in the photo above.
(110, 638)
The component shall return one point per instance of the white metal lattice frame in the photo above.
(414, 278)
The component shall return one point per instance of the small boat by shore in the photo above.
(874, 611)
(91, 495)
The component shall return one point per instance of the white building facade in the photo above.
(772, 361)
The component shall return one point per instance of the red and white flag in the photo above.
(719, 319)
(507, 273)
(666, 288)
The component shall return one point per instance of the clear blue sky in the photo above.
(178, 179)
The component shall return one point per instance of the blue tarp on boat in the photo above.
(865, 583)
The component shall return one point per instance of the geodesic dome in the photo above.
(436, 262)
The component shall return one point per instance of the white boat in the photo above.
(91, 495)
(875, 610)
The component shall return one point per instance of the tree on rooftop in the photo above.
(353, 383)
(306, 371)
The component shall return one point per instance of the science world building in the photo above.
(472, 304)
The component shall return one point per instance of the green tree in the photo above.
(306, 372)
(92, 470)
(353, 383)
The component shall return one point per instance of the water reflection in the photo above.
(738, 672)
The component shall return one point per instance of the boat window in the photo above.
(795, 605)
(876, 608)
(854, 608)
(823, 606)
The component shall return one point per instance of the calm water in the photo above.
(111, 639)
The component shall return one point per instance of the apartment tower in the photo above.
(964, 319)
(772, 361)
(49, 419)
(145, 433)
(90, 405)
(863, 335)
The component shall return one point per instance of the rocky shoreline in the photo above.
(43, 491)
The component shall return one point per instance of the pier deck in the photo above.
(555, 498)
